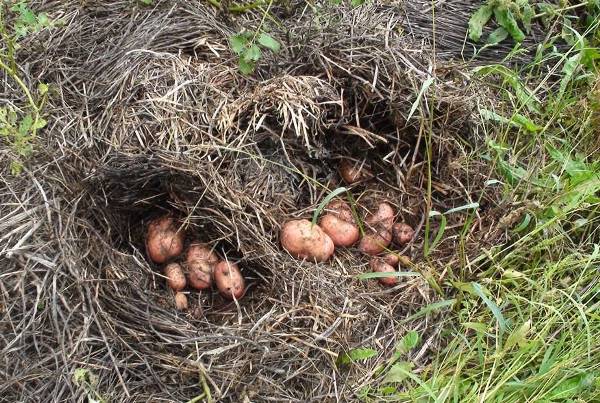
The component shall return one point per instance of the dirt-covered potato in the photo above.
(378, 230)
(339, 224)
(392, 259)
(402, 233)
(164, 241)
(306, 241)
(200, 275)
(229, 280)
(175, 276)
(181, 301)
(200, 261)
(378, 265)
(352, 172)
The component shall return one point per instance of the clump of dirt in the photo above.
(154, 117)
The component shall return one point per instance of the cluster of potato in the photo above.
(338, 228)
(165, 243)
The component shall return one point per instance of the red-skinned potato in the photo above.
(181, 301)
(229, 280)
(200, 261)
(306, 241)
(339, 224)
(378, 265)
(379, 230)
(354, 172)
(392, 259)
(175, 276)
(200, 275)
(402, 233)
(164, 241)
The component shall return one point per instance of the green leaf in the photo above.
(429, 246)
(356, 3)
(409, 341)
(39, 124)
(26, 124)
(252, 53)
(479, 290)
(478, 21)
(426, 84)
(42, 89)
(506, 19)
(527, 14)
(518, 336)
(354, 355)
(571, 387)
(325, 202)
(238, 43)
(431, 308)
(398, 372)
(269, 42)
(497, 36)
(525, 123)
(245, 67)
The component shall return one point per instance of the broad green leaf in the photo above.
(356, 3)
(354, 355)
(42, 88)
(506, 19)
(238, 43)
(479, 290)
(245, 67)
(527, 14)
(497, 36)
(478, 21)
(518, 336)
(571, 387)
(39, 124)
(26, 124)
(478, 327)
(409, 341)
(525, 123)
(269, 42)
(398, 372)
(252, 53)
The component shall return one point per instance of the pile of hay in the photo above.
(148, 113)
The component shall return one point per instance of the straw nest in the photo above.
(148, 114)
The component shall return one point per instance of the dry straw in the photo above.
(149, 114)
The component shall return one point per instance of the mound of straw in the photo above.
(149, 114)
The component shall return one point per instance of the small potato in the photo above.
(378, 265)
(201, 252)
(175, 276)
(181, 301)
(402, 233)
(339, 224)
(306, 241)
(392, 259)
(200, 275)
(354, 172)
(229, 280)
(164, 241)
(379, 230)
(200, 261)
(375, 243)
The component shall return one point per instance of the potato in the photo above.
(201, 252)
(306, 241)
(402, 233)
(339, 224)
(354, 172)
(175, 276)
(392, 259)
(379, 230)
(200, 275)
(164, 241)
(378, 265)
(229, 280)
(200, 261)
(181, 301)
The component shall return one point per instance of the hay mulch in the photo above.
(148, 114)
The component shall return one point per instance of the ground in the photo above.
(480, 123)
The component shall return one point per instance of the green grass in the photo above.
(523, 324)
